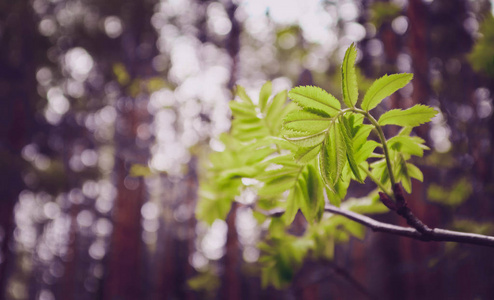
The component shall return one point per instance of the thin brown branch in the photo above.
(436, 234)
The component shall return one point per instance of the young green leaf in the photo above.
(406, 144)
(345, 131)
(340, 189)
(275, 107)
(414, 116)
(313, 205)
(304, 121)
(403, 174)
(383, 87)
(415, 172)
(240, 91)
(332, 158)
(315, 99)
(304, 139)
(349, 77)
(305, 155)
(365, 151)
(264, 94)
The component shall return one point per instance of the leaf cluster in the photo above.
(302, 154)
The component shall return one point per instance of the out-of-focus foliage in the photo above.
(454, 196)
(383, 12)
(482, 55)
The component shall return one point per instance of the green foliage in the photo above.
(349, 77)
(482, 56)
(414, 116)
(454, 196)
(384, 87)
(207, 282)
(303, 154)
(383, 12)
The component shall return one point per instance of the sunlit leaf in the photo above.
(240, 91)
(384, 87)
(414, 116)
(304, 139)
(349, 77)
(305, 155)
(415, 172)
(332, 157)
(305, 121)
(264, 95)
(345, 131)
(406, 144)
(315, 100)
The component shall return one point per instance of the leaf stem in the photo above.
(380, 133)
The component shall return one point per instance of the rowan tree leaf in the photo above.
(300, 120)
(415, 172)
(349, 77)
(384, 87)
(240, 91)
(338, 193)
(365, 151)
(304, 139)
(306, 154)
(402, 174)
(274, 110)
(315, 99)
(414, 116)
(332, 157)
(264, 95)
(407, 144)
(345, 131)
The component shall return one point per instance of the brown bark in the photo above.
(231, 283)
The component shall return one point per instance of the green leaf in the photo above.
(264, 94)
(300, 120)
(277, 185)
(349, 77)
(336, 196)
(305, 155)
(315, 99)
(414, 116)
(345, 130)
(406, 144)
(312, 205)
(415, 172)
(240, 91)
(304, 139)
(332, 158)
(380, 171)
(275, 109)
(361, 135)
(384, 87)
(365, 151)
(403, 175)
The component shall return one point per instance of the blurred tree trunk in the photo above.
(20, 50)
(232, 280)
(125, 263)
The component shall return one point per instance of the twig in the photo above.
(436, 234)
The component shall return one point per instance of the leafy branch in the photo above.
(302, 155)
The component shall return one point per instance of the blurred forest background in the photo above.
(109, 108)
